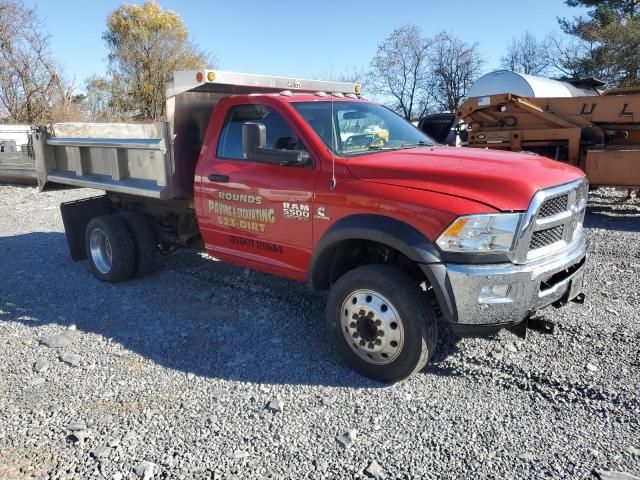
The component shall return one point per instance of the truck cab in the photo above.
(312, 182)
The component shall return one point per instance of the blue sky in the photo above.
(298, 38)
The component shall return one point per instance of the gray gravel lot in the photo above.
(206, 370)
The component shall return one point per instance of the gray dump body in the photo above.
(154, 160)
(117, 157)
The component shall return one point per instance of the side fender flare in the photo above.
(388, 231)
(378, 228)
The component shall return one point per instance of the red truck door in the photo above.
(253, 212)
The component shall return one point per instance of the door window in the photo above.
(280, 135)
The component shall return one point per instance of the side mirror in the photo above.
(254, 137)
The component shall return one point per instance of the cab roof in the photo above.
(291, 97)
(232, 83)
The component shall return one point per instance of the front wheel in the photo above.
(382, 322)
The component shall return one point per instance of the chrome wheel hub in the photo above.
(100, 251)
(372, 327)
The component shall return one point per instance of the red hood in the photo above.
(503, 180)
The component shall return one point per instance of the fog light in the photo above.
(495, 294)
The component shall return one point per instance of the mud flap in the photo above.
(76, 216)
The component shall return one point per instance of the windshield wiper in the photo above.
(378, 147)
(421, 143)
(382, 147)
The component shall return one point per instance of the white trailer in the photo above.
(17, 163)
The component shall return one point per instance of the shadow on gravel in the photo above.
(447, 345)
(613, 213)
(193, 315)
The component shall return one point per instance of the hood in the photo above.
(502, 180)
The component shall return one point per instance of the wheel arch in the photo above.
(378, 229)
(403, 238)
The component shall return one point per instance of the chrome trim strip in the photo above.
(535, 269)
(133, 143)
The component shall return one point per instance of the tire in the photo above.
(144, 242)
(110, 249)
(370, 308)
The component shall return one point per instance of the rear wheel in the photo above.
(382, 323)
(143, 241)
(110, 249)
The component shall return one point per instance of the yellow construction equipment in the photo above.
(598, 133)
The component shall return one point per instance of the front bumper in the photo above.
(485, 298)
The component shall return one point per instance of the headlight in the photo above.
(486, 233)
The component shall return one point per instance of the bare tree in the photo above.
(350, 75)
(399, 71)
(563, 55)
(31, 86)
(527, 55)
(454, 66)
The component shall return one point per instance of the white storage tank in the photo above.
(504, 81)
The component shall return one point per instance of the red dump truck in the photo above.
(308, 180)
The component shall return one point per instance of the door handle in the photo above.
(215, 177)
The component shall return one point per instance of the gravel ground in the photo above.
(206, 370)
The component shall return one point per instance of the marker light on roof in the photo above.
(199, 77)
(211, 76)
(321, 94)
(358, 88)
(286, 93)
(338, 94)
(352, 95)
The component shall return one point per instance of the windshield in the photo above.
(360, 127)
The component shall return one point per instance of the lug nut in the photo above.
(370, 314)
(370, 345)
(362, 343)
(362, 312)
(378, 323)
(380, 333)
(352, 325)
(378, 342)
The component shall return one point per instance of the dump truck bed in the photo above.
(118, 157)
(153, 160)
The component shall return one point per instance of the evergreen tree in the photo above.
(610, 32)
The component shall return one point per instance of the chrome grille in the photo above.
(553, 206)
(544, 238)
(552, 222)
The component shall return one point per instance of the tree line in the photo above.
(410, 72)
